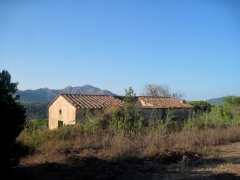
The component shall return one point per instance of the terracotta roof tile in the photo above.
(161, 102)
(103, 101)
(92, 101)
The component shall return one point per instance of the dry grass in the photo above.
(224, 159)
(113, 144)
(74, 153)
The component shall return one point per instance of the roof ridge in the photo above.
(112, 95)
(85, 94)
(156, 97)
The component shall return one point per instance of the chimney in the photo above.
(182, 101)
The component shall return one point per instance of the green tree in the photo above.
(230, 108)
(201, 107)
(128, 116)
(12, 115)
(232, 100)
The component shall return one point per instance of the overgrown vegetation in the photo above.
(122, 133)
(128, 116)
(226, 114)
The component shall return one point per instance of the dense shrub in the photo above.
(128, 116)
(201, 107)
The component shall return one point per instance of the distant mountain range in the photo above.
(37, 101)
(215, 101)
(44, 95)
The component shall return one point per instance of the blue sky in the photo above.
(193, 46)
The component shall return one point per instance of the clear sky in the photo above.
(191, 45)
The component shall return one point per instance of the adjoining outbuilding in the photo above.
(154, 108)
(68, 109)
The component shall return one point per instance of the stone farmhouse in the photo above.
(68, 109)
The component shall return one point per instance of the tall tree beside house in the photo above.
(201, 107)
(128, 116)
(12, 115)
(157, 90)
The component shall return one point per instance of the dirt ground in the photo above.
(224, 159)
(222, 163)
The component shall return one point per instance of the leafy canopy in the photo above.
(201, 106)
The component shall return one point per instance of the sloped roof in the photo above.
(161, 102)
(92, 101)
(104, 101)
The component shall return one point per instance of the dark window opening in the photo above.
(60, 111)
(60, 123)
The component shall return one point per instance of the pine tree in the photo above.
(12, 116)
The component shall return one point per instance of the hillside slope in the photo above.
(45, 95)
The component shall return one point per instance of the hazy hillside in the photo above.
(36, 101)
(36, 110)
(44, 95)
(215, 101)
(86, 89)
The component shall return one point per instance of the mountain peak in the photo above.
(47, 95)
(88, 86)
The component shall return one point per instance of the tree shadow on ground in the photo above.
(94, 168)
(213, 162)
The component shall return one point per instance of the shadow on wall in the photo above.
(166, 114)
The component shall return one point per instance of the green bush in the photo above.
(128, 116)
(32, 125)
(201, 107)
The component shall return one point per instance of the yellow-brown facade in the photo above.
(61, 112)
